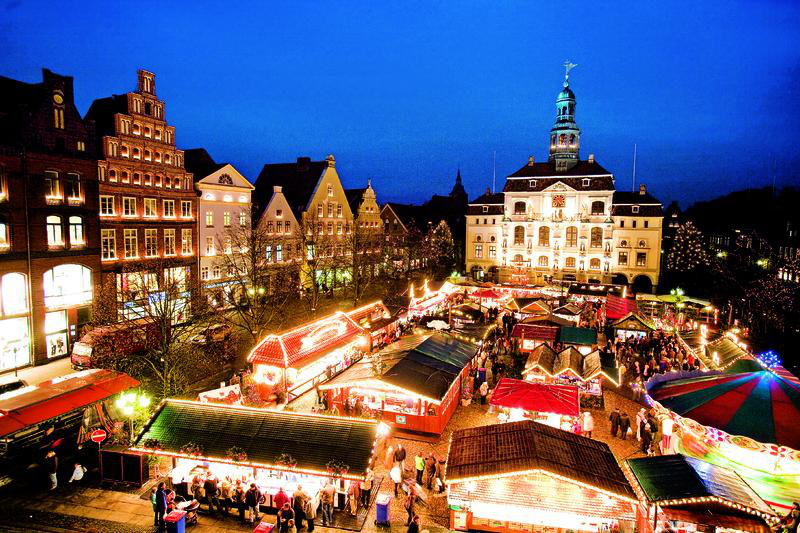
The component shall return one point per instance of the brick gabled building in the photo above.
(148, 203)
(49, 234)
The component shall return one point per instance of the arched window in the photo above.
(572, 236)
(491, 239)
(598, 207)
(562, 139)
(543, 261)
(14, 290)
(478, 238)
(54, 231)
(519, 208)
(594, 264)
(519, 235)
(518, 258)
(572, 140)
(596, 238)
(67, 285)
(544, 236)
(76, 237)
(569, 262)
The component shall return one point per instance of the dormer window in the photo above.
(635, 209)
(587, 182)
(486, 209)
(330, 190)
(532, 183)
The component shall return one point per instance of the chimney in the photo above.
(277, 188)
(642, 189)
(591, 158)
(531, 160)
(488, 190)
(331, 161)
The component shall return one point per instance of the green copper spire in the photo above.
(565, 136)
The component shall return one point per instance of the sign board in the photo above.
(460, 520)
(98, 435)
(400, 419)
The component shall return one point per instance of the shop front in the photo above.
(298, 360)
(68, 293)
(15, 334)
(684, 494)
(413, 384)
(552, 405)
(276, 450)
(524, 476)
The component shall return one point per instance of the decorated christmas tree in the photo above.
(688, 251)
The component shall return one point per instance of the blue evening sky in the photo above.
(406, 92)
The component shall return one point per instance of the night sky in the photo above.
(407, 92)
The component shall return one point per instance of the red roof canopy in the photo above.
(557, 399)
(58, 396)
(486, 294)
(307, 342)
(617, 307)
(534, 331)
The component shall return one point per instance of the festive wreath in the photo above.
(191, 448)
(337, 468)
(152, 444)
(287, 460)
(236, 453)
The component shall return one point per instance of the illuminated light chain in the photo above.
(770, 359)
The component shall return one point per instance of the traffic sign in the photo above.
(98, 435)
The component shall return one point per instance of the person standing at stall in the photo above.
(160, 506)
(624, 425)
(310, 512)
(280, 498)
(366, 487)
(238, 499)
(299, 503)
(430, 470)
(285, 515)
(210, 486)
(400, 458)
(419, 463)
(252, 500)
(327, 496)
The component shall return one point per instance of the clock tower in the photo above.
(565, 136)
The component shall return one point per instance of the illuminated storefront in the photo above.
(524, 476)
(67, 296)
(552, 405)
(273, 449)
(304, 357)
(15, 338)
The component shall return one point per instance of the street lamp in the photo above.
(129, 402)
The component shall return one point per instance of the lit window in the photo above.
(641, 259)
(108, 243)
(186, 209)
(279, 252)
(169, 208)
(14, 290)
(186, 241)
(635, 209)
(76, 231)
(150, 206)
(209, 219)
(3, 236)
(150, 243)
(52, 186)
(73, 186)
(204, 273)
(478, 251)
(623, 259)
(128, 207)
(339, 228)
(319, 210)
(339, 210)
(596, 238)
(268, 253)
(226, 219)
(3, 186)
(210, 246)
(169, 242)
(106, 205)
(242, 218)
(131, 244)
(594, 264)
(54, 232)
(330, 190)
(330, 210)
(572, 236)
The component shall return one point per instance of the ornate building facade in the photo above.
(49, 232)
(563, 219)
(148, 203)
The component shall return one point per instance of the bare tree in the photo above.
(262, 272)
(321, 268)
(362, 258)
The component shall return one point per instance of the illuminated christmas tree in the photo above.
(688, 251)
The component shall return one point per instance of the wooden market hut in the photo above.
(525, 476)
(376, 319)
(632, 324)
(413, 384)
(699, 495)
(583, 339)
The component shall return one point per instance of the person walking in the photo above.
(285, 515)
(419, 463)
(587, 424)
(400, 458)
(299, 504)
(327, 496)
(430, 470)
(614, 418)
(409, 504)
(366, 488)
(51, 464)
(624, 425)
(159, 506)
(252, 500)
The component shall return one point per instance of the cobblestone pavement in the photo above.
(82, 508)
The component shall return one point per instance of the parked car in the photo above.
(212, 334)
(127, 338)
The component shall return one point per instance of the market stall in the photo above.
(525, 307)
(425, 301)
(413, 384)
(632, 325)
(533, 334)
(618, 307)
(679, 493)
(582, 339)
(489, 298)
(746, 422)
(570, 312)
(524, 476)
(273, 449)
(297, 360)
(376, 319)
(550, 404)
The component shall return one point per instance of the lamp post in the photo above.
(128, 403)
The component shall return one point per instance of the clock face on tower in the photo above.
(559, 200)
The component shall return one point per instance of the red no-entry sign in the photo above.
(98, 435)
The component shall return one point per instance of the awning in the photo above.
(50, 399)
(486, 294)
(617, 307)
(556, 399)
(707, 517)
(535, 332)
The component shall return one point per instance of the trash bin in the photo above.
(264, 527)
(382, 509)
(176, 522)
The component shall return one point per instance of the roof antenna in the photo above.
(494, 168)
(633, 186)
